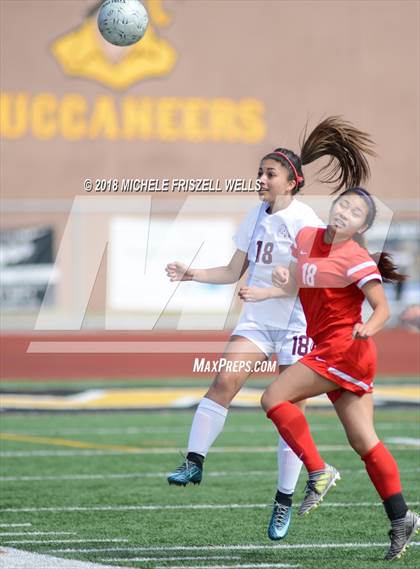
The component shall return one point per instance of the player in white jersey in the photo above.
(266, 236)
(272, 326)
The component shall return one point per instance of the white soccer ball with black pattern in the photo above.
(122, 22)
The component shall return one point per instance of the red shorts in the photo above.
(351, 364)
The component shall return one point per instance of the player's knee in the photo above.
(301, 404)
(273, 396)
(263, 401)
(226, 384)
(359, 443)
(266, 400)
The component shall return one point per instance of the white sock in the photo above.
(289, 466)
(207, 425)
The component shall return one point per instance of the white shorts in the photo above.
(288, 345)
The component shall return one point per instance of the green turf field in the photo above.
(101, 478)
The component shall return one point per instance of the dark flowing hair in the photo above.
(384, 261)
(345, 146)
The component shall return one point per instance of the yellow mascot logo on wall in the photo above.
(84, 53)
(75, 116)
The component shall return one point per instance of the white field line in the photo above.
(169, 430)
(123, 476)
(41, 542)
(19, 559)
(182, 507)
(241, 566)
(168, 450)
(140, 431)
(6, 534)
(391, 426)
(250, 547)
(125, 559)
(403, 441)
(14, 525)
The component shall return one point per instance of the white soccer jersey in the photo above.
(267, 238)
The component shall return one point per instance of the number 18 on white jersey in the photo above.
(267, 238)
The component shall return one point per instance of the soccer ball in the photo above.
(122, 22)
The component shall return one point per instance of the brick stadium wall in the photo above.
(398, 354)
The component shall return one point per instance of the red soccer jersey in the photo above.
(329, 278)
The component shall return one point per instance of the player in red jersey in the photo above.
(334, 274)
(263, 241)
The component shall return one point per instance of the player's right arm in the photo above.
(228, 274)
(285, 280)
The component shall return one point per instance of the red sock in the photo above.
(293, 427)
(383, 470)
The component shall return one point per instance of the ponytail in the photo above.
(387, 268)
(346, 147)
(384, 261)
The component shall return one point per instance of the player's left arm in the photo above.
(256, 293)
(284, 281)
(375, 294)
